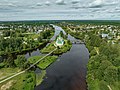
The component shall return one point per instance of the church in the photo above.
(59, 41)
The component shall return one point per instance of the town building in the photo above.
(59, 42)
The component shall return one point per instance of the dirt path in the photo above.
(109, 87)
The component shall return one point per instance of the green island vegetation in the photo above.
(62, 49)
(44, 63)
(103, 43)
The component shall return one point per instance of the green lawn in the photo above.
(43, 64)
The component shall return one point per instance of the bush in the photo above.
(2, 65)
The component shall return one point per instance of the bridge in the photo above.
(72, 41)
(77, 42)
(18, 73)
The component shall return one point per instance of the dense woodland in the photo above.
(104, 63)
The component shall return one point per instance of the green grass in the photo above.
(25, 81)
(6, 72)
(39, 77)
(43, 64)
(48, 49)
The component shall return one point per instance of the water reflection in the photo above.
(69, 71)
(33, 53)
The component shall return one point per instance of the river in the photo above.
(69, 71)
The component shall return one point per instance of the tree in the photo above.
(40, 39)
(61, 34)
(103, 65)
(93, 52)
(103, 85)
(68, 41)
(111, 74)
(21, 61)
(116, 61)
(10, 61)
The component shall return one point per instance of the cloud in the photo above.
(96, 4)
(101, 3)
(8, 5)
(60, 2)
(39, 4)
(47, 3)
(75, 1)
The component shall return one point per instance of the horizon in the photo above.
(56, 20)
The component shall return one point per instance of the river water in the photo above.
(69, 71)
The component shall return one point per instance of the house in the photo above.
(104, 35)
(7, 37)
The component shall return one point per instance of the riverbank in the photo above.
(15, 53)
(40, 77)
(103, 70)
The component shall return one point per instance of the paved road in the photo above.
(27, 68)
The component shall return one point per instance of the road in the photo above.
(109, 87)
(27, 68)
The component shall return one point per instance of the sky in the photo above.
(15, 10)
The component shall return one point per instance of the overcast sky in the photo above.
(59, 10)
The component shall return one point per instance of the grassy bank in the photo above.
(43, 64)
(39, 77)
(25, 81)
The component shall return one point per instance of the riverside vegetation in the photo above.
(104, 64)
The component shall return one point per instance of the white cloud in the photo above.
(60, 2)
(96, 3)
(101, 3)
(47, 3)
